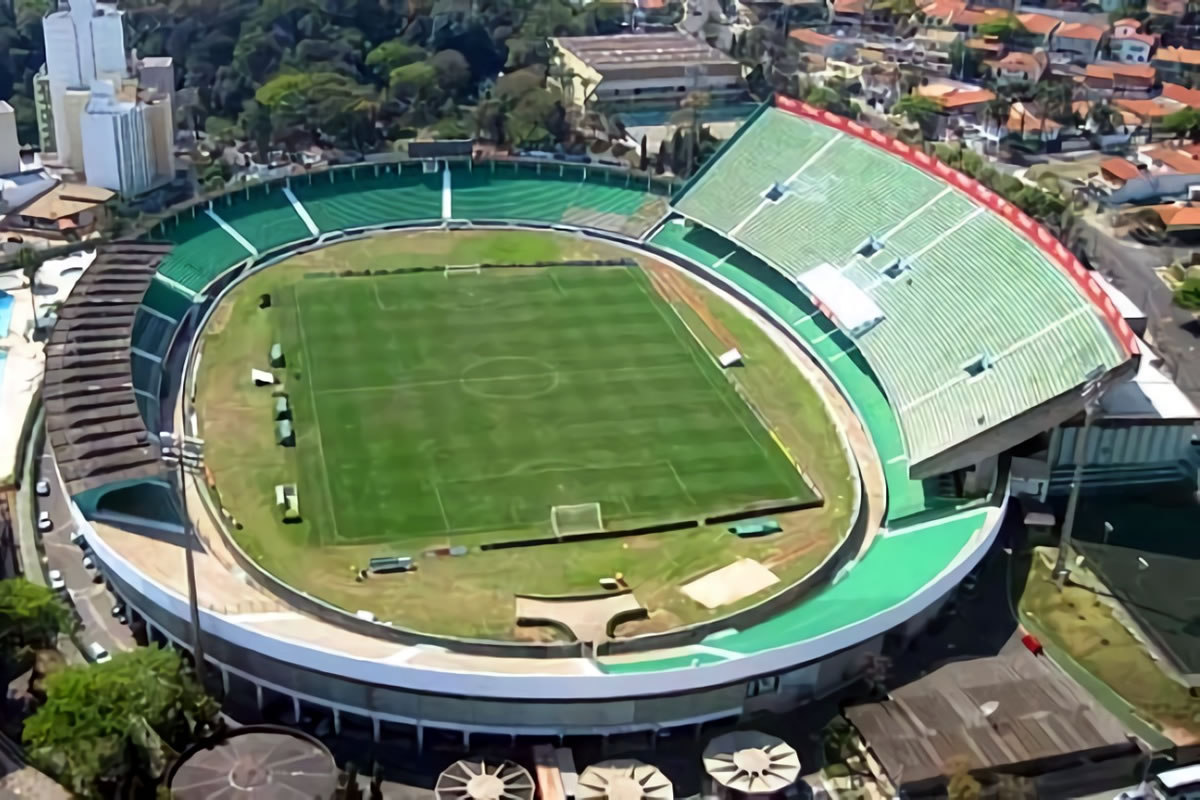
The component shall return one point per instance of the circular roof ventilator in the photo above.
(479, 780)
(750, 762)
(256, 762)
(624, 779)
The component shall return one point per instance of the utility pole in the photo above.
(1092, 392)
(186, 454)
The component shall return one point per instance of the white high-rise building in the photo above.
(117, 147)
(10, 148)
(85, 43)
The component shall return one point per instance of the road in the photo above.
(1173, 332)
(92, 601)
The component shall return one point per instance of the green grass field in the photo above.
(495, 392)
(428, 405)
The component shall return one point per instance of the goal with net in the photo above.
(461, 269)
(574, 519)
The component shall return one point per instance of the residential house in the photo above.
(1017, 66)
(986, 48)
(1038, 29)
(933, 47)
(1172, 160)
(1152, 110)
(958, 15)
(1118, 171)
(1180, 95)
(1178, 64)
(1118, 77)
(822, 44)
(1179, 218)
(1128, 44)
(1079, 40)
(958, 103)
(1166, 9)
(69, 211)
(1029, 123)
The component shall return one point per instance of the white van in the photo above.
(98, 653)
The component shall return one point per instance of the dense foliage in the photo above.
(31, 616)
(109, 728)
(348, 72)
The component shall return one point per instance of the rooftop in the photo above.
(1040, 24)
(1113, 69)
(1119, 167)
(1028, 63)
(65, 200)
(639, 50)
(1181, 94)
(950, 96)
(811, 37)
(1079, 30)
(1178, 215)
(1037, 713)
(1178, 55)
(1178, 160)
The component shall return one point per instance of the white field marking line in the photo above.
(308, 364)
(679, 480)
(557, 285)
(897, 459)
(519, 472)
(441, 506)
(916, 213)
(703, 372)
(301, 211)
(1002, 355)
(379, 299)
(518, 377)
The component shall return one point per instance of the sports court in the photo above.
(448, 403)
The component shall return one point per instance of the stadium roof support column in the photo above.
(839, 298)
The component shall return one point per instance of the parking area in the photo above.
(92, 600)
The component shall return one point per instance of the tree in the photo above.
(960, 785)
(105, 726)
(964, 63)
(1187, 294)
(31, 616)
(29, 261)
(452, 71)
(997, 110)
(839, 741)
(916, 108)
(1184, 123)
(392, 55)
(1003, 28)
(1105, 119)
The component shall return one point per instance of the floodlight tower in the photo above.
(1093, 391)
(186, 454)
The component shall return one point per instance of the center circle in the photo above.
(485, 787)
(753, 760)
(509, 378)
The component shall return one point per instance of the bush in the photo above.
(1188, 294)
(837, 771)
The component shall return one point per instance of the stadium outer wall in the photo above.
(259, 671)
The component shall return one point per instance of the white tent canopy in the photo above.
(851, 307)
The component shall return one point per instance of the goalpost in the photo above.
(574, 519)
(461, 269)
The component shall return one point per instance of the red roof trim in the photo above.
(1055, 250)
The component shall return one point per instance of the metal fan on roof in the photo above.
(624, 779)
(478, 780)
(751, 763)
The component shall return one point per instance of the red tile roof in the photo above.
(1078, 30)
(1038, 23)
(1178, 160)
(1120, 168)
(1146, 109)
(1181, 94)
(1112, 69)
(1180, 55)
(811, 37)
(1174, 216)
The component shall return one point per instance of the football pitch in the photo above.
(430, 406)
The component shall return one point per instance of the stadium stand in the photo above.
(938, 261)
(93, 421)
(203, 250)
(556, 193)
(263, 216)
(369, 196)
(166, 300)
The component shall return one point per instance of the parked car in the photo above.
(42, 488)
(118, 609)
(44, 522)
(56, 580)
(88, 564)
(97, 653)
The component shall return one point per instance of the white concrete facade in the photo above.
(10, 148)
(116, 144)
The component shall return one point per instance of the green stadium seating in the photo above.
(151, 334)
(976, 287)
(203, 250)
(165, 299)
(263, 216)
(367, 196)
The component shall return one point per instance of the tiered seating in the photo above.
(203, 250)
(511, 191)
(977, 288)
(151, 334)
(370, 195)
(263, 216)
(166, 300)
(767, 149)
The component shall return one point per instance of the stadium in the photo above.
(661, 455)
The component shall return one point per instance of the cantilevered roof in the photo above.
(92, 417)
(985, 315)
